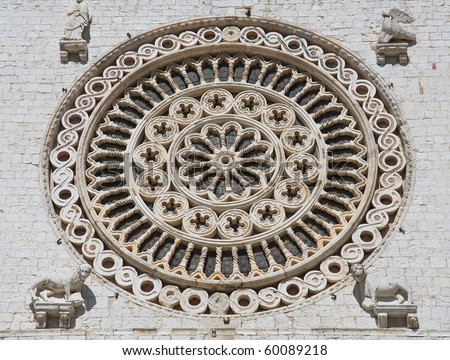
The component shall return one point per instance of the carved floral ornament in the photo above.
(227, 166)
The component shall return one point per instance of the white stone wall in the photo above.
(31, 82)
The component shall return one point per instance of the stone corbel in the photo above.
(63, 311)
(78, 48)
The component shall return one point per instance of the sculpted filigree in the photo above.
(224, 181)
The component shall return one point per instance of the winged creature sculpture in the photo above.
(391, 28)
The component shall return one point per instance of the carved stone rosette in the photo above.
(227, 174)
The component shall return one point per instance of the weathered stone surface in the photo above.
(73, 47)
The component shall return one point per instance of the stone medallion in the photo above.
(226, 166)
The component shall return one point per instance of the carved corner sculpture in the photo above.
(394, 40)
(74, 39)
(388, 299)
(56, 297)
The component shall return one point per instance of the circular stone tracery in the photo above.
(232, 182)
(224, 160)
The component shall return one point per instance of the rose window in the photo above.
(224, 168)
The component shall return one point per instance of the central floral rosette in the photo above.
(226, 162)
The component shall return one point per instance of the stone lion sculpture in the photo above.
(387, 291)
(59, 287)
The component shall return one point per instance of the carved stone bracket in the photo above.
(406, 312)
(398, 51)
(78, 48)
(63, 311)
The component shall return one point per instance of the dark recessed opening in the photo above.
(209, 35)
(383, 123)
(366, 236)
(147, 286)
(75, 119)
(386, 200)
(361, 90)
(65, 195)
(292, 290)
(79, 231)
(334, 268)
(63, 156)
(391, 161)
(294, 45)
(167, 44)
(244, 301)
(194, 300)
(129, 61)
(252, 35)
(108, 263)
(98, 88)
(331, 63)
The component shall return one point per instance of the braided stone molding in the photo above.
(229, 166)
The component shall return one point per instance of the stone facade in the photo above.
(33, 81)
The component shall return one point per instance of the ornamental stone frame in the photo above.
(227, 166)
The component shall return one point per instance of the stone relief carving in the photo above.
(394, 39)
(388, 297)
(222, 172)
(73, 42)
(77, 22)
(58, 296)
